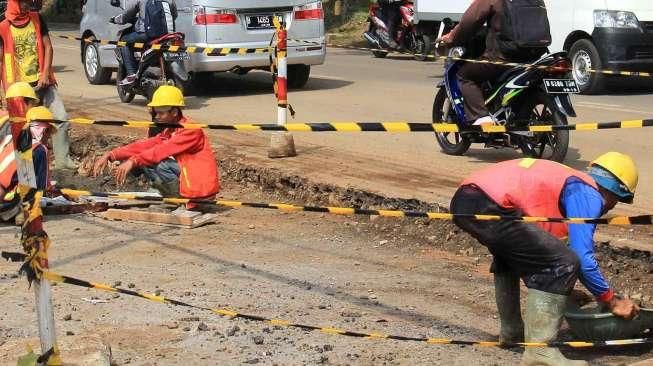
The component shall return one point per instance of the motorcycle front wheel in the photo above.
(541, 110)
(451, 143)
(125, 94)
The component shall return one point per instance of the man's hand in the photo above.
(43, 82)
(100, 164)
(624, 308)
(123, 170)
(446, 38)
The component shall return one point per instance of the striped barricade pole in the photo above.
(282, 144)
(34, 239)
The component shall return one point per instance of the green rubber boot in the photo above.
(506, 292)
(543, 316)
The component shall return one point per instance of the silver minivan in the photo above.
(217, 23)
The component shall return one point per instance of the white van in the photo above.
(597, 34)
(216, 24)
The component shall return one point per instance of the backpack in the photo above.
(525, 31)
(158, 18)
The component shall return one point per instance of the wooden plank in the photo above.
(188, 219)
(74, 208)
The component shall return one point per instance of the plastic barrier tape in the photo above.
(617, 220)
(55, 277)
(209, 51)
(242, 51)
(394, 127)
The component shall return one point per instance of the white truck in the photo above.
(597, 34)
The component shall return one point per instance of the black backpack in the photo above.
(525, 31)
(158, 18)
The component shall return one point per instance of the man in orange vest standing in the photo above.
(27, 56)
(536, 253)
(176, 161)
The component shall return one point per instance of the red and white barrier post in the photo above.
(281, 144)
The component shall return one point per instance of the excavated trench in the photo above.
(629, 271)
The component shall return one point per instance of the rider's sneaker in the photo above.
(487, 120)
(130, 79)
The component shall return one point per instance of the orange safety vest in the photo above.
(7, 162)
(533, 186)
(8, 167)
(9, 71)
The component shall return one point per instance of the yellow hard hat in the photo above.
(167, 96)
(622, 177)
(37, 113)
(20, 89)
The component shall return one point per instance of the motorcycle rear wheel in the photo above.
(125, 95)
(451, 143)
(540, 109)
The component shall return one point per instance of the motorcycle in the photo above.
(406, 34)
(156, 67)
(520, 97)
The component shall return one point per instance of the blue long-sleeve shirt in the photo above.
(579, 199)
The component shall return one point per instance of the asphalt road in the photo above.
(353, 86)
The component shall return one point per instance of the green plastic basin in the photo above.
(594, 324)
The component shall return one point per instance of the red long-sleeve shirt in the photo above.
(191, 148)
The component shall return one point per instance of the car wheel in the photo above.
(298, 75)
(95, 73)
(585, 57)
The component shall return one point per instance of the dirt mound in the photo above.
(85, 147)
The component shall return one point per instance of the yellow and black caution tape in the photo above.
(55, 277)
(348, 211)
(224, 51)
(479, 61)
(209, 51)
(395, 127)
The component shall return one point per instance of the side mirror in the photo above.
(115, 3)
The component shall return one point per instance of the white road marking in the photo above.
(329, 77)
(67, 47)
(616, 108)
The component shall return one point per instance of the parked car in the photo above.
(217, 23)
(598, 34)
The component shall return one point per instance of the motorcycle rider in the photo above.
(135, 13)
(391, 15)
(472, 75)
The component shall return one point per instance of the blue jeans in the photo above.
(128, 58)
(163, 176)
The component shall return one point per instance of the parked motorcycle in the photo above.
(520, 97)
(406, 35)
(155, 68)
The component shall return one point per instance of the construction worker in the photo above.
(22, 96)
(27, 56)
(536, 253)
(176, 161)
(40, 133)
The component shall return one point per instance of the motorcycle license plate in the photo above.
(261, 21)
(176, 56)
(561, 86)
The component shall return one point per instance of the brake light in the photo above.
(310, 11)
(221, 16)
(561, 66)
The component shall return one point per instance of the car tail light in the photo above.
(221, 16)
(310, 11)
(560, 66)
